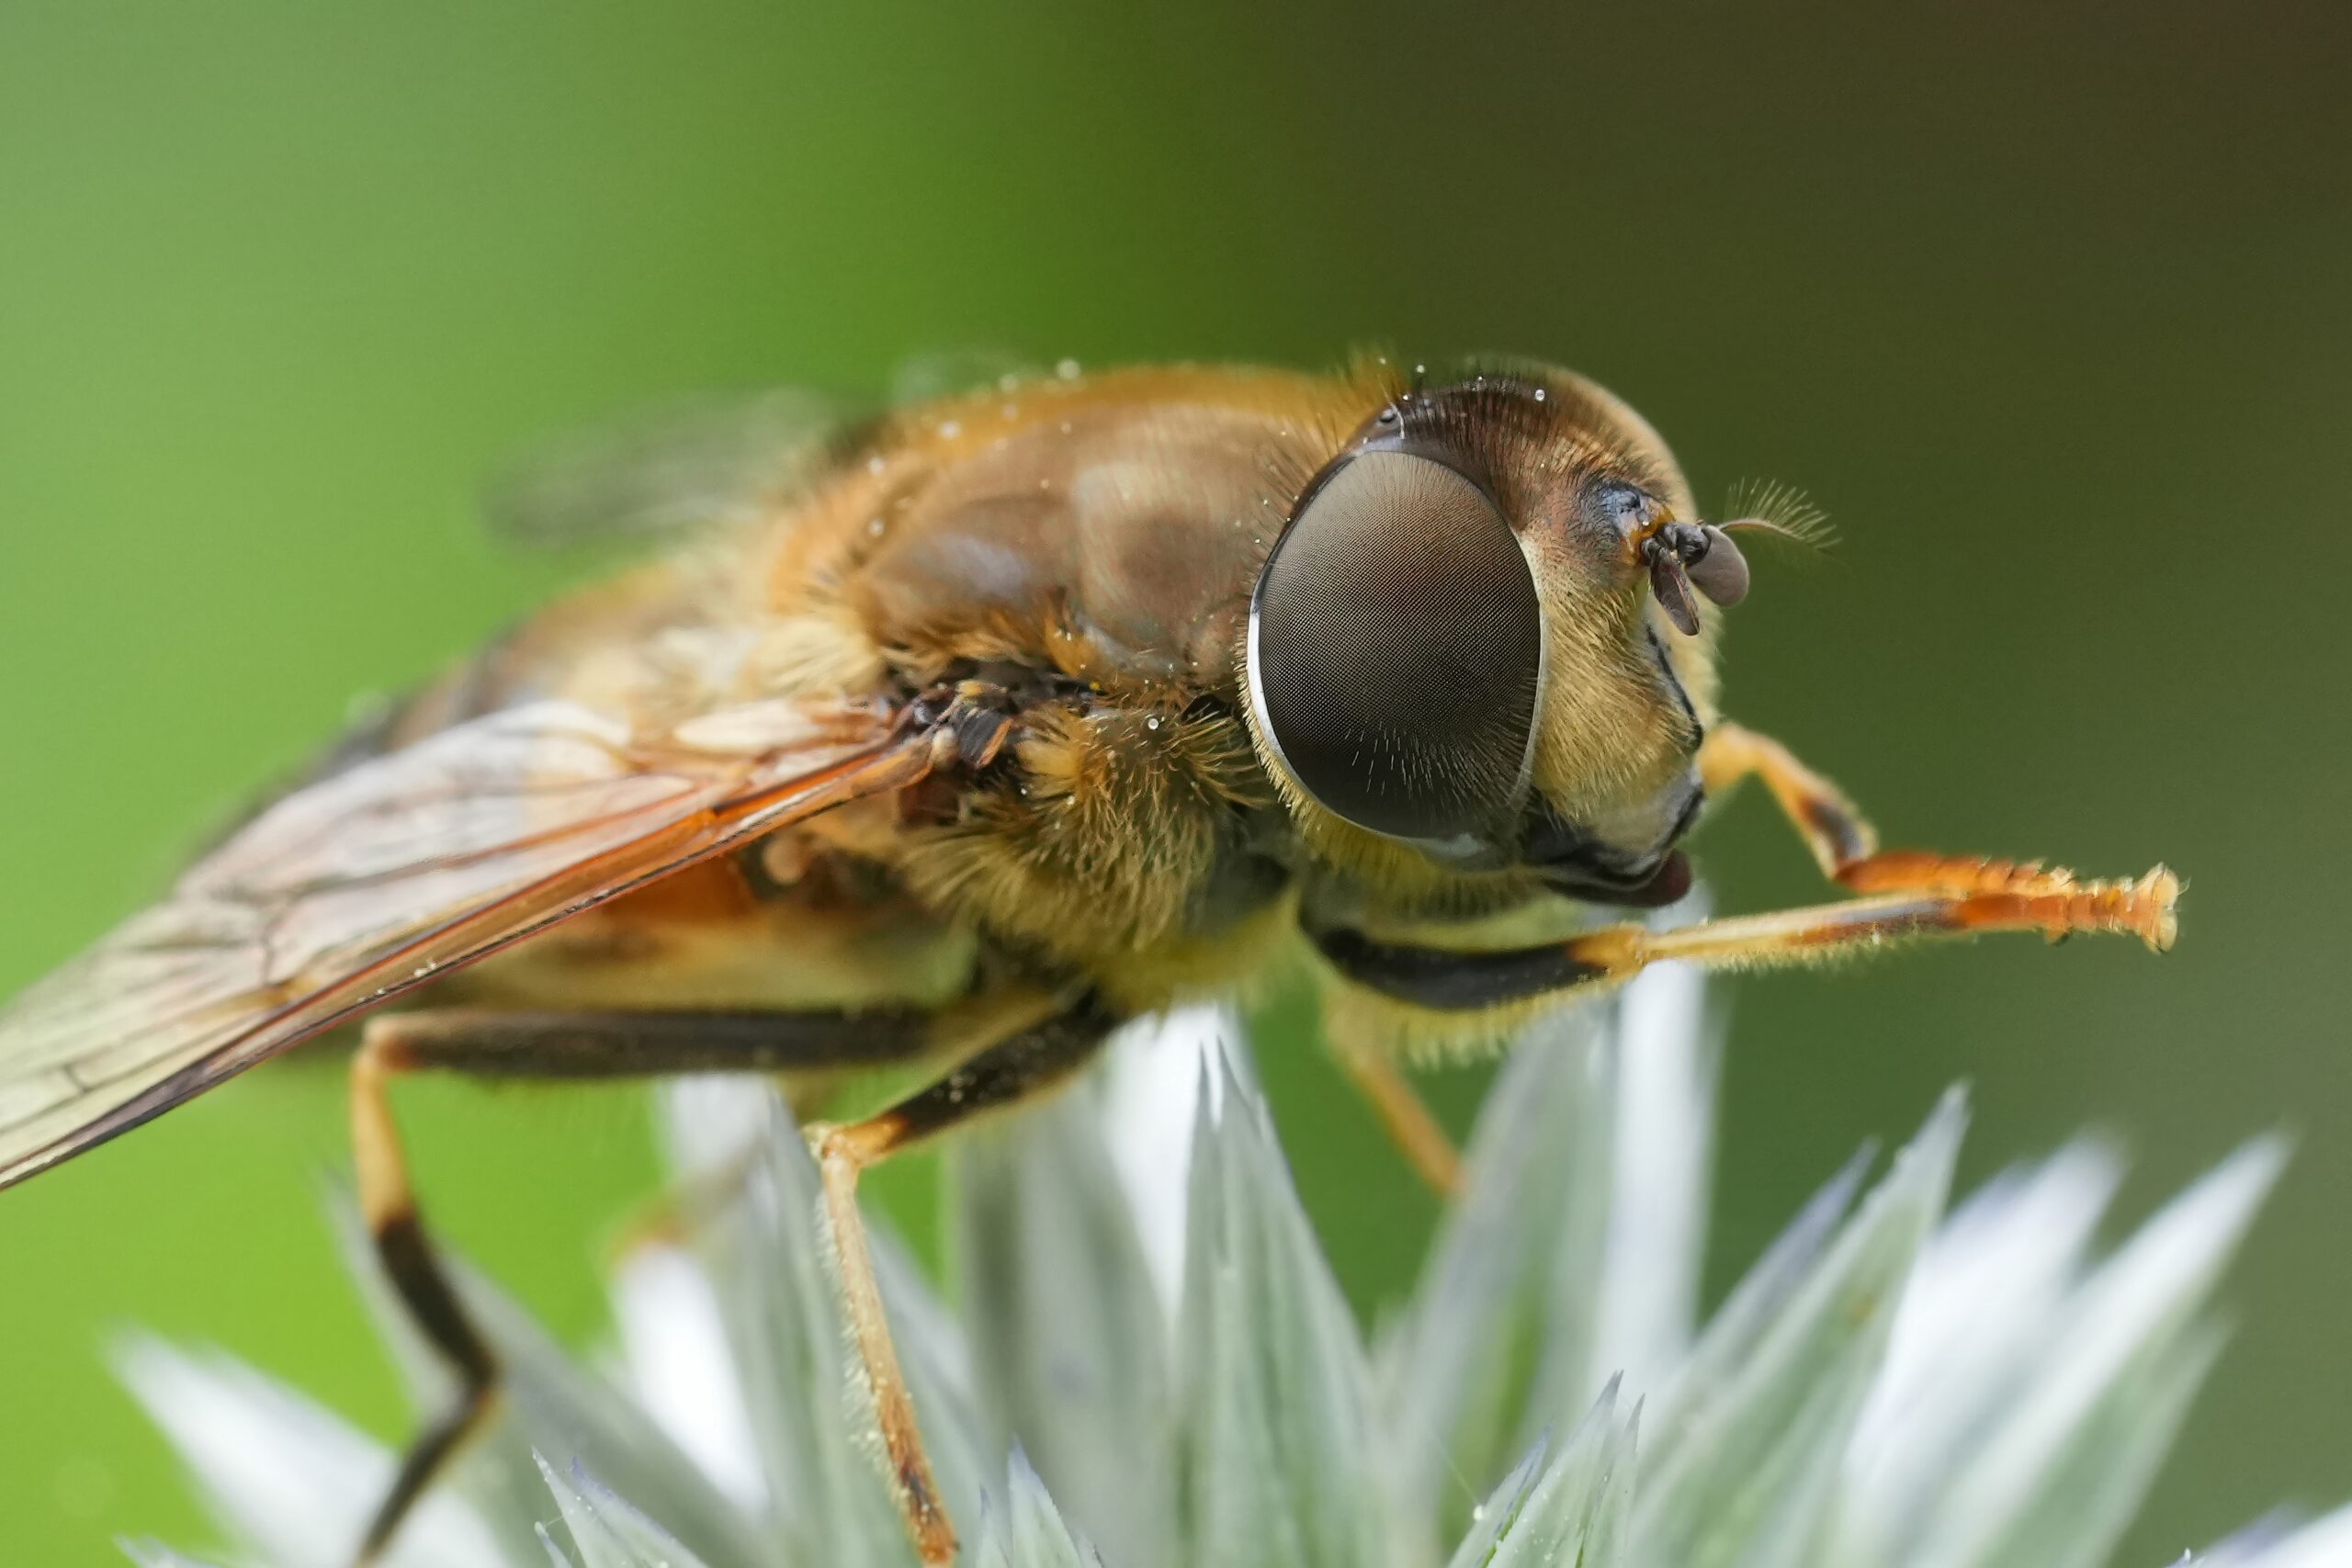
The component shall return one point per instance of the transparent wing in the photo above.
(348, 892)
(958, 372)
(709, 459)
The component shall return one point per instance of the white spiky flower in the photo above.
(1148, 1364)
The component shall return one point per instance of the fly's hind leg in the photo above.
(1020, 1067)
(387, 1206)
(580, 1046)
(1847, 850)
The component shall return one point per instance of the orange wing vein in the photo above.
(371, 882)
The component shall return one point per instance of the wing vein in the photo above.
(381, 878)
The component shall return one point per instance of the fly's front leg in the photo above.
(1403, 1115)
(1018, 1068)
(1847, 850)
(580, 1046)
(1908, 894)
(1450, 981)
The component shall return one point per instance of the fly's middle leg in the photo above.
(1018, 1068)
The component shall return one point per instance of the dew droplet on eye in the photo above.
(1539, 394)
(1152, 722)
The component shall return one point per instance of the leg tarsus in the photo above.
(427, 1451)
(1846, 848)
(2144, 908)
(843, 1154)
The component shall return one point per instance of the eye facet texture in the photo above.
(1396, 646)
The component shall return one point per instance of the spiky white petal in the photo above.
(673, 1347)
(1027, 1531)
(287, 1479)
(1143, 1312)
(1150, 1088)
(1273, 1408)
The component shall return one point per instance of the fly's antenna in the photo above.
(1777, 510)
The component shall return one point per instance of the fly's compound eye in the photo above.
(1395, 650)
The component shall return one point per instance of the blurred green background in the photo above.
(2051, 306)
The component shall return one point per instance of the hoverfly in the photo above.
(1013, 716)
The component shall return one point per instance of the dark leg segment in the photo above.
(1451, 980)
(618, 1045)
